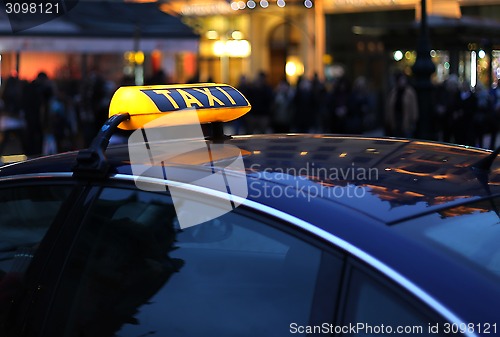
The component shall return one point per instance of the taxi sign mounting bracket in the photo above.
(218, 135)
(92, 162)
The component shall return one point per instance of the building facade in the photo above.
(229, 39)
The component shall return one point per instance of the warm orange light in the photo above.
(418, 174)
(139, 57)
(31, 63)
(450, 146)
(156, 60)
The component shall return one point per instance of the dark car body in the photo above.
(371, 233)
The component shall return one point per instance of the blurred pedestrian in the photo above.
(452, 103)
(483, 116)
(11, 123)
(318, 106)
(195, 78)
(302, 104)
(357, 106)
(463, 128)
(158, 78)
(339, 105)
(440, 117)
(495, 115)
(326, 118)
(259, 120)
(60, 124)
(402, 109)
(127, 80)
(12, 94)
(93, 112)
(246, 88)
(282, 114)
(36, 107)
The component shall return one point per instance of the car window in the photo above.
(469, 233)
(374, 308)
(26, 213)
(135, 272)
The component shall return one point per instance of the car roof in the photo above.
(398, 178)
(412, 178)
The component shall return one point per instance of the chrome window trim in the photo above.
(336, 241)
(37, 175)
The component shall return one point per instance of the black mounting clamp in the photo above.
(92, 162)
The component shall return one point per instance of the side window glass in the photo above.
(375, 309)
(134, 272)
(25, 216)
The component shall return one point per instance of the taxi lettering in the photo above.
(202, 97)
(166, 93)
(211, 98)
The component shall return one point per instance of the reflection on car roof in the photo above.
(399, 178)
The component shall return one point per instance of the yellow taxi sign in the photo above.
(213, 103)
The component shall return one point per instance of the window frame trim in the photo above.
(28, 176)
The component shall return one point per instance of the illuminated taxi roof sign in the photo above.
(213, 103)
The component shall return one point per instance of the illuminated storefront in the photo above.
(334, 37)
(279, 37)
(374, 38)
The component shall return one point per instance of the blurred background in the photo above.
(305, 65)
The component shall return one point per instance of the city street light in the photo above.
(423, 69)
(227, 47)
